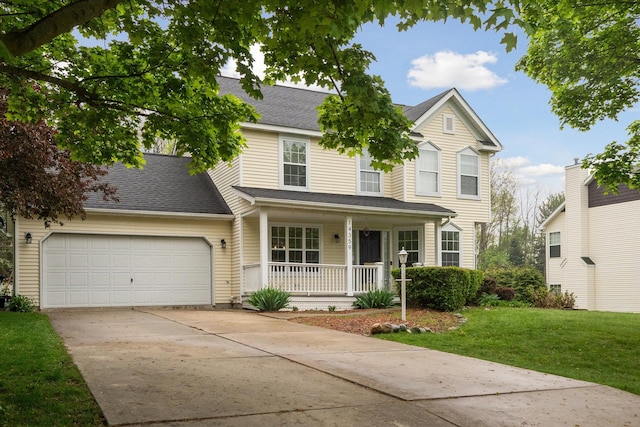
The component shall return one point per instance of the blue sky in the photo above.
(433, 57)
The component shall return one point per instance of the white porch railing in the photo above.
(318, 279)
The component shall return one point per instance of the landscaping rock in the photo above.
(403, 327)
(416, 330)
(381, 328)
(395, 328)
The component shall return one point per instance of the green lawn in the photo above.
(600, 347)
(39, 384)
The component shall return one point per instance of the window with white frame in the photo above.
(450, 245)
(555, 289)
(428, 171)
(468, 174)
(369, 179)
(296, 244)
(554, 244)
(410, 241)
(294, 167)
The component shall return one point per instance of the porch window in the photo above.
(295, 244)
(450, 246)
(428, 171)
(369, 179)
(469, 174)
(554, 244)
(294, 168)
(410, 241)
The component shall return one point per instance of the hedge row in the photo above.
(440, 288)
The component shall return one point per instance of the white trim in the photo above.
(282, 129)
(428, 146)
(294, 138)
(550, 218)
(372, 170)
(130, 212)
(469, 151)
(422, 256)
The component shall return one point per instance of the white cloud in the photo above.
(543, 169)
(447, 69)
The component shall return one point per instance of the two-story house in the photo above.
(592, 244)
(287, 213)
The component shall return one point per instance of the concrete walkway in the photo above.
(232, 368)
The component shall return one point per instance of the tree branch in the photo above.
(58, 22)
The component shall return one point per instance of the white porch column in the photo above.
(348, 253)
(264, 248)
(438, 231)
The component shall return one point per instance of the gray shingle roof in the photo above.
(386, 203)
(164, 184)
(296, 108)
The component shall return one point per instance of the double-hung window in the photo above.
(450, 245)
(369, 179)
(554, 244)
(294, 172)
(295, 244)
(428, 171)
(410, 241)
(468, 174)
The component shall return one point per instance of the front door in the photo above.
(369, 246)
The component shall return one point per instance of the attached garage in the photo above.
(84, 270)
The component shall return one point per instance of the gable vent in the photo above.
(448, 123)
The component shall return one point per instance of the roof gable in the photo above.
(164, 184)
(296, 108)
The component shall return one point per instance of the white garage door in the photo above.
(105, 271)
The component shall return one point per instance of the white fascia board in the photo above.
(554, 214)
(344, 208)
(281, 129)
(131, 212)
(471, 119)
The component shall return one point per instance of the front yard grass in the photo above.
(39, 384)
(600, 347)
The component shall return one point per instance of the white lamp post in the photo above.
(402, 256)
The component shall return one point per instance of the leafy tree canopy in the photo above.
(152, 73)
(588, 54)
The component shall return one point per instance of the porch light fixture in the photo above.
(223, 244)
(336, 238)
(28, 238)
(402, 256)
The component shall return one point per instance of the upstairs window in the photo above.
(294, 167)
(428, 171)
(554, 244)
(369, 179)
(468, 174)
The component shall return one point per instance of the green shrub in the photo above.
(270, 299)
(520, 279)
(488, 300)
(378, 298)
(475, 282)
(505, 293)
(437, 288)
(488, 286)
(542, 298)
(21, 303)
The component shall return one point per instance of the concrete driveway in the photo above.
(231, 368)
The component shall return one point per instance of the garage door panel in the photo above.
(92, 270)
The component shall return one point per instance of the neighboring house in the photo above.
(593, 241)
(319, 224)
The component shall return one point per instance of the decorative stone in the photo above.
(416, 330)
(381, 328)
(403, 327)
(453, 328)
(395, 328)
(458, 315)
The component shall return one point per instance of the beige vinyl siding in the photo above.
(251, 240)
(331, 172)
(614, 247)
(225, 176)
(397, 182)
(28, 268)
(332, 252)
(260, 160)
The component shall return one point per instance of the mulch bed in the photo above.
(360, 321)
